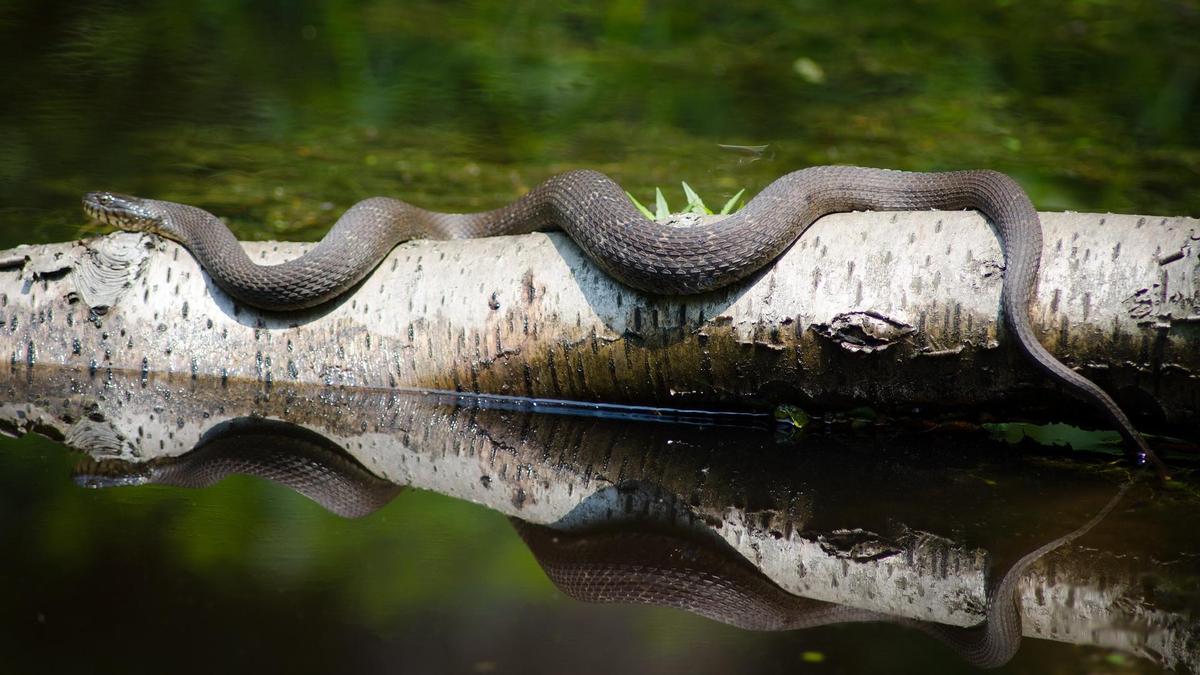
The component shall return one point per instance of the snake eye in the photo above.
(122, 210)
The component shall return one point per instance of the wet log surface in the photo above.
(843, 519)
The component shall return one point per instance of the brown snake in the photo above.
(651, 257)
(651, 563)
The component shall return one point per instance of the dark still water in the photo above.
(491, 537)
(651, 542)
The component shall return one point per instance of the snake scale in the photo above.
(664, 568)
(652, 257)
(634, 562)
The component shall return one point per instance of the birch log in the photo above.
(836, 519)
(893, 310)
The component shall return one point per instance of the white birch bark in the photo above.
(764, 501)
(893, 310)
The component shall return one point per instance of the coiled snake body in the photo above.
(652, 257)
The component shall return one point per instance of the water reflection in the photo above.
(731, 521)
(646, 561)
(615, 547)
(283, 453)
(282, 114)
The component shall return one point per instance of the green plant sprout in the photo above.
(695, 204)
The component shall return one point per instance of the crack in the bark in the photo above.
(865, 332)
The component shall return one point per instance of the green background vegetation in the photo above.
(280, 114)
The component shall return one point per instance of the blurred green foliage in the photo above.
(249, 527)
(280, 114)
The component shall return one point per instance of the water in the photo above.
(280, 116)
(431, 577)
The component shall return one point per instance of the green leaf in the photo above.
(1056, 434)
(661, 210)
(862, 413)
(729, 205)
(695, 204)
(645, 211)
(792, 416)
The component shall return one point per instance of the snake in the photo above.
(666, 566)
(290, 455)
(639, 562)
(648, 256)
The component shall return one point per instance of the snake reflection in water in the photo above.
(654, 562)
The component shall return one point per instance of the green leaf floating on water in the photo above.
(861, 417)
(793, 415)
(1057, 434)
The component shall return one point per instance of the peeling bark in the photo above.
(893, 310)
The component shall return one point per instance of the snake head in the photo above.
(123, 211)
(108, 473)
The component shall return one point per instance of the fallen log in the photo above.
(894, 310)
(833, 518)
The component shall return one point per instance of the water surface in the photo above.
(279, 116)
(909, 525)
